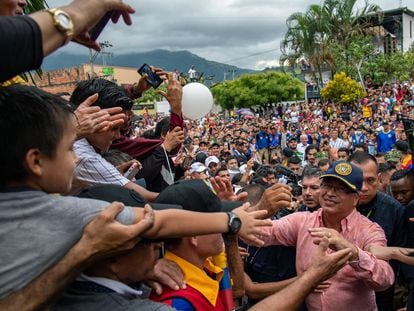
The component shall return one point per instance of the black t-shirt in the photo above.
(20, 46)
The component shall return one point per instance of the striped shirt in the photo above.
(338, 143)
(92, 169)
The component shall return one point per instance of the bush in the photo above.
(343, 89)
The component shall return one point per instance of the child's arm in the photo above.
(179, 223)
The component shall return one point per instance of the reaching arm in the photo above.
(235, 264)
(262, 290)
(323, 266)
(186, 223)
(102, 236)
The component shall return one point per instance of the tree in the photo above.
(391, 67)
(257, 90)
(35, 5)
(151, 95)
(343, 89)
(322, 29)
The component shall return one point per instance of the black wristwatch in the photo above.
(234, 223)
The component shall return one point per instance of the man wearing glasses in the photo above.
(337, 219)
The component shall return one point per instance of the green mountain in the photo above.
(168, 60)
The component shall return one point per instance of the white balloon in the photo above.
(197, 100)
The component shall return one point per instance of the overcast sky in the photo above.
(245, 33)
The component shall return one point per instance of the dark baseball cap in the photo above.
(347, 173)
(195, 195)
(129, 197)
(287, 152)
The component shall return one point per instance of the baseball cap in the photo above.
(211, 159)
(111, 193)
(197, 167)
(321, 155)
(292, 138)
(287, 152)
(347, 173)
(393, 156)
(195, 195)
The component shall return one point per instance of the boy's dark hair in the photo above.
(400, 174)
(362, 157)
(116, 157)
(385, 167)
(221, 169)
(361, 145)
(311, 147)
(254, 193)
(236, 178)
(311, 171)
(162, 127)
(30, 119)
(232, 157)
(294, 160)
(110, 94)
(323, 162)
(344, 149)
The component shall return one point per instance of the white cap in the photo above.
(211, 159)
(197, 167)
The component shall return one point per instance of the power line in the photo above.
(251, 55)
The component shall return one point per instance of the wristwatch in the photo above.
(63, 23)
(234, 223)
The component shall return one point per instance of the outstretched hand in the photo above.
(326, 265)
(174, 94)
(252, 222)
(274, 198)
(335, 239)
(224, 189)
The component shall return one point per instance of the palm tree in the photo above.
(310, 35)
(307, 37)
(35, 5)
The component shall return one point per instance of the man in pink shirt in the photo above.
(352, 287)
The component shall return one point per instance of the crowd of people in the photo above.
(307, 206)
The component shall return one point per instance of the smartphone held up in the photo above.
(152, 78)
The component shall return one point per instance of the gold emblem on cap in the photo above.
(343, 169)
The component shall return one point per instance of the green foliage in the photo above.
(35, 5)
(360, 50)
(322, 31)
(391, 67)
(151, 95)
(257, 89)
(343, 89)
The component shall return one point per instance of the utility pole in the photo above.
(92, 56)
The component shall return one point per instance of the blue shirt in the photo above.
(385, 141)
(262, 140)
(275, 139)
(360, 139)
